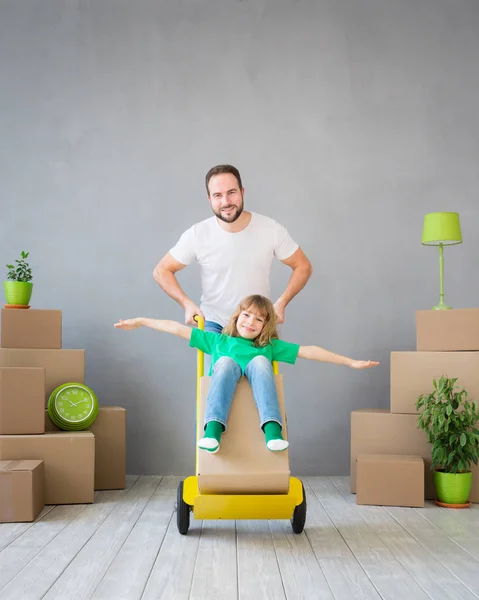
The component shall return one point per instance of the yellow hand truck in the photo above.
(290, 506)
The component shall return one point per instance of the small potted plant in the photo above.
(18, 287)
(449, 420)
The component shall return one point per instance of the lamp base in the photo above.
(441, 306)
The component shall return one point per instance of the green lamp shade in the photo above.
(73, 406)
(441, 228)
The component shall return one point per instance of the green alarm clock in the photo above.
(73, 406)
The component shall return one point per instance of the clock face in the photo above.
(74, 404)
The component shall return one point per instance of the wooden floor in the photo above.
(126, 545)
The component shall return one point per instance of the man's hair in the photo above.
(218, 170)
(266, 308)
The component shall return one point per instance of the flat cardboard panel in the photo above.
(31, 328)
(61, 366)
(21, 490)
(390, 480)
(22, 400)
(109, 430)
(377, 431)
(412, 374)
(447, 330)
(243, 464)
(69, 462)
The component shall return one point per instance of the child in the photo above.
(247, 346)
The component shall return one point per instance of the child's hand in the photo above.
(363, 364)
(128, 323)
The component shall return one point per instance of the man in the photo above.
(235, 250)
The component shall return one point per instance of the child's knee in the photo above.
(225, 363)
(262, 363)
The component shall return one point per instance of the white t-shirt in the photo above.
(233, 265)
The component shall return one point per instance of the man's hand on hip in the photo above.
(279, 310)
(191, 310)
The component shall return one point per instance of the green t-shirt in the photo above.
(241, 350)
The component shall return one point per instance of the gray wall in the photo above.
(349, 120)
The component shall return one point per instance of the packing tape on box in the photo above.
(10, 465)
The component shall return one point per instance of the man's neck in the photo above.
(241, 223)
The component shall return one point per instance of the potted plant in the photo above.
(449, 420)
(18, 287)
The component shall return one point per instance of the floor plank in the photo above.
(215, 574)
(389, 577)
(433, 576)
(172, 573)
(344, 574)
(456, 525)
(258, 571)
(40, 574)
(453, 558)
(347, 579)
(34, 580)
(9, 532)
(324, 537)
(128, 572)
(23, 550)
(126, 545)
(85, 572)
(301, 573)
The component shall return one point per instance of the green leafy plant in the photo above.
(449, 420)
(20, 272)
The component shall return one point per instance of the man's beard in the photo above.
(231, 218)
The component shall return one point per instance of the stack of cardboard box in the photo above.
(32, 364)
(447, 343)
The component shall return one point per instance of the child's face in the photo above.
(250, 323)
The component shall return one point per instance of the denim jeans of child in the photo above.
(226, 374)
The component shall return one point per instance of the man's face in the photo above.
(226, 198)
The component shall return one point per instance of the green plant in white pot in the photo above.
(450, 422)
(18, 287)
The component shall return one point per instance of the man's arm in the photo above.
(164, 275)
(302, 270)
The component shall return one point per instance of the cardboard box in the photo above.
(61, 366)
(31, 328)
(378, 431)
(69, 459)
(109, 430)
(447, 330)
(412, 374)
(390, 480)
(243, 464)
(21, 490)
(22, 398)
(474, 495)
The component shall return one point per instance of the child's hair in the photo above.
(266, 308)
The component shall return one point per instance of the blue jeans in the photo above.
(212, 326)
(215, 328)
(226, 374)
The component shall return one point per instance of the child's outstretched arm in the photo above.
(317, 353)
(172, 327)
